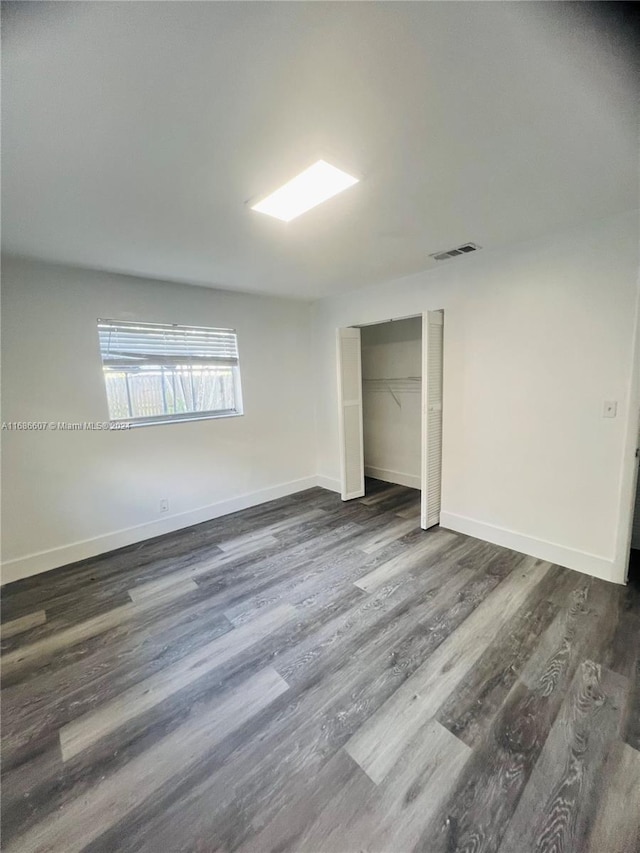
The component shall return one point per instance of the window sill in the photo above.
(143, 422)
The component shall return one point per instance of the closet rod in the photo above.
(392, 379)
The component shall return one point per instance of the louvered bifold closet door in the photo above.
(431, 479)
(350, 414)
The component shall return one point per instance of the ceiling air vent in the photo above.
(459, 250)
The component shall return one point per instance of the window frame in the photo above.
(168, 418)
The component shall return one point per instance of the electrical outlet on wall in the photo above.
(164, 504)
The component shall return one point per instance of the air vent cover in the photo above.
(459, 250)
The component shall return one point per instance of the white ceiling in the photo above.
(135, 133)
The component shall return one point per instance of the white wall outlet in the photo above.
(610, 409)
(164, 505)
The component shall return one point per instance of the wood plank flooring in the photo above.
(309, 676)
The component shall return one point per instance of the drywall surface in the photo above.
(536, 338)
(72, 494)
(392, 409)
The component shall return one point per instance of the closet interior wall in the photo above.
(391, 384)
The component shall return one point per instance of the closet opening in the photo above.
(390, 393)
(392, 403)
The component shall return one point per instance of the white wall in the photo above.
(68, 495)
(536, 338)
(392, 445)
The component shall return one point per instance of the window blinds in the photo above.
(126, 345)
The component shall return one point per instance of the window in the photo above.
(155, 373)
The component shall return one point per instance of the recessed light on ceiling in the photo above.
(308, 189)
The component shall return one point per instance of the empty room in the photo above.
(320, 425)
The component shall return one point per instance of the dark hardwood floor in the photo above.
(309, 676)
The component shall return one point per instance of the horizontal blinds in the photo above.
(147, 344)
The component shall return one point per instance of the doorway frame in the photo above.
(422, 315)
(629, 478)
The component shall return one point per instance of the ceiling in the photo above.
(134, 134)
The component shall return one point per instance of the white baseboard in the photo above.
(581, 561)
(43, 561)
(410, 480)
(328, 483)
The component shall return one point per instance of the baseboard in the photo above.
(328, 483)
(44, 561)
(397, 477)
(581, 561)
(378, 474)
